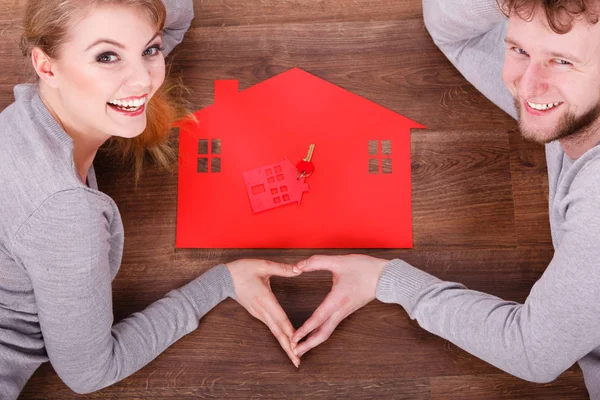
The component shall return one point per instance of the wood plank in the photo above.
(503, 387)
(239, 12)
(393, 63)
(197, 379)
(530, 191)
(462, 189)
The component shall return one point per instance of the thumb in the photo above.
(280, 269)
(318, 263)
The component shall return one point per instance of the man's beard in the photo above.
(569, 126)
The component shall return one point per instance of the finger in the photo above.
(318, 263)
(329, 306)
(279, 324)
(282, 338)
(279, 317)
(279, 269)
(320, 335)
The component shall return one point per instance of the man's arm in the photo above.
(559, 322)
(471, 35)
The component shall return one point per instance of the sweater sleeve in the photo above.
(180, 14)
(557, 325)
(65, 247)
(471, 34)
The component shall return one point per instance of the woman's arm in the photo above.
(67, 248)
(180, 14)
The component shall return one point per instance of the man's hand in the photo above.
(251, 279)
(355, 279)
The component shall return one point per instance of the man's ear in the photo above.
(44, 66)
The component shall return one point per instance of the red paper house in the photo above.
(360, 192)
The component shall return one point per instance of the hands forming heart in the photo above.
(354, 278)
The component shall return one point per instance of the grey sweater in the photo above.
(60, 247)
(559, 323)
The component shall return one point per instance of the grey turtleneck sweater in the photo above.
(559, 323)
(60, 247)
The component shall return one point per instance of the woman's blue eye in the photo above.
(153, 51)
(110, 57)
(107, 58)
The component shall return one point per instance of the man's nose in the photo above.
(534, 82)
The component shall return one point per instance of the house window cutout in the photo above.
(386, 147)
(258, 189)
(211, 158)
(216, 146)
(380, 156)
(203, 146)
(386, 165)
(215, 165)
(373, 165)
(203, 164)
(274, 191)
(373, 147)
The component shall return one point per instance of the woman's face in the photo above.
(107, 71)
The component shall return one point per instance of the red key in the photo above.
(305, 167)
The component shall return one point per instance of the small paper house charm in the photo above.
(274, 185)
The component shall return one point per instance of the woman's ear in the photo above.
(44, 66)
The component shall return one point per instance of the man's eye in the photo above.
(107, 58)
(561, 62)
(519, 50)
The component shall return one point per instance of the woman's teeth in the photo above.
(543, 106)
(128, 105)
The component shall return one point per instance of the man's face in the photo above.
(554, 78)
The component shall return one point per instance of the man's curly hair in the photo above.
(560, 14)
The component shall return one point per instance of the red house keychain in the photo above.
(305, 167)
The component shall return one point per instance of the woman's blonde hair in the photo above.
(46, 24)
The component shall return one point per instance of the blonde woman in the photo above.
(99, 66)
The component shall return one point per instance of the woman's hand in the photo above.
(251, 279)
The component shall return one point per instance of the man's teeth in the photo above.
(543, 106)
(129, 105)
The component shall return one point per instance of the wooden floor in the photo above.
(480, 214)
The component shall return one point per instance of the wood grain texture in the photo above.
(530, 191)
(393, 63)
(503, 387)
(278, 12)
(479, 208)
